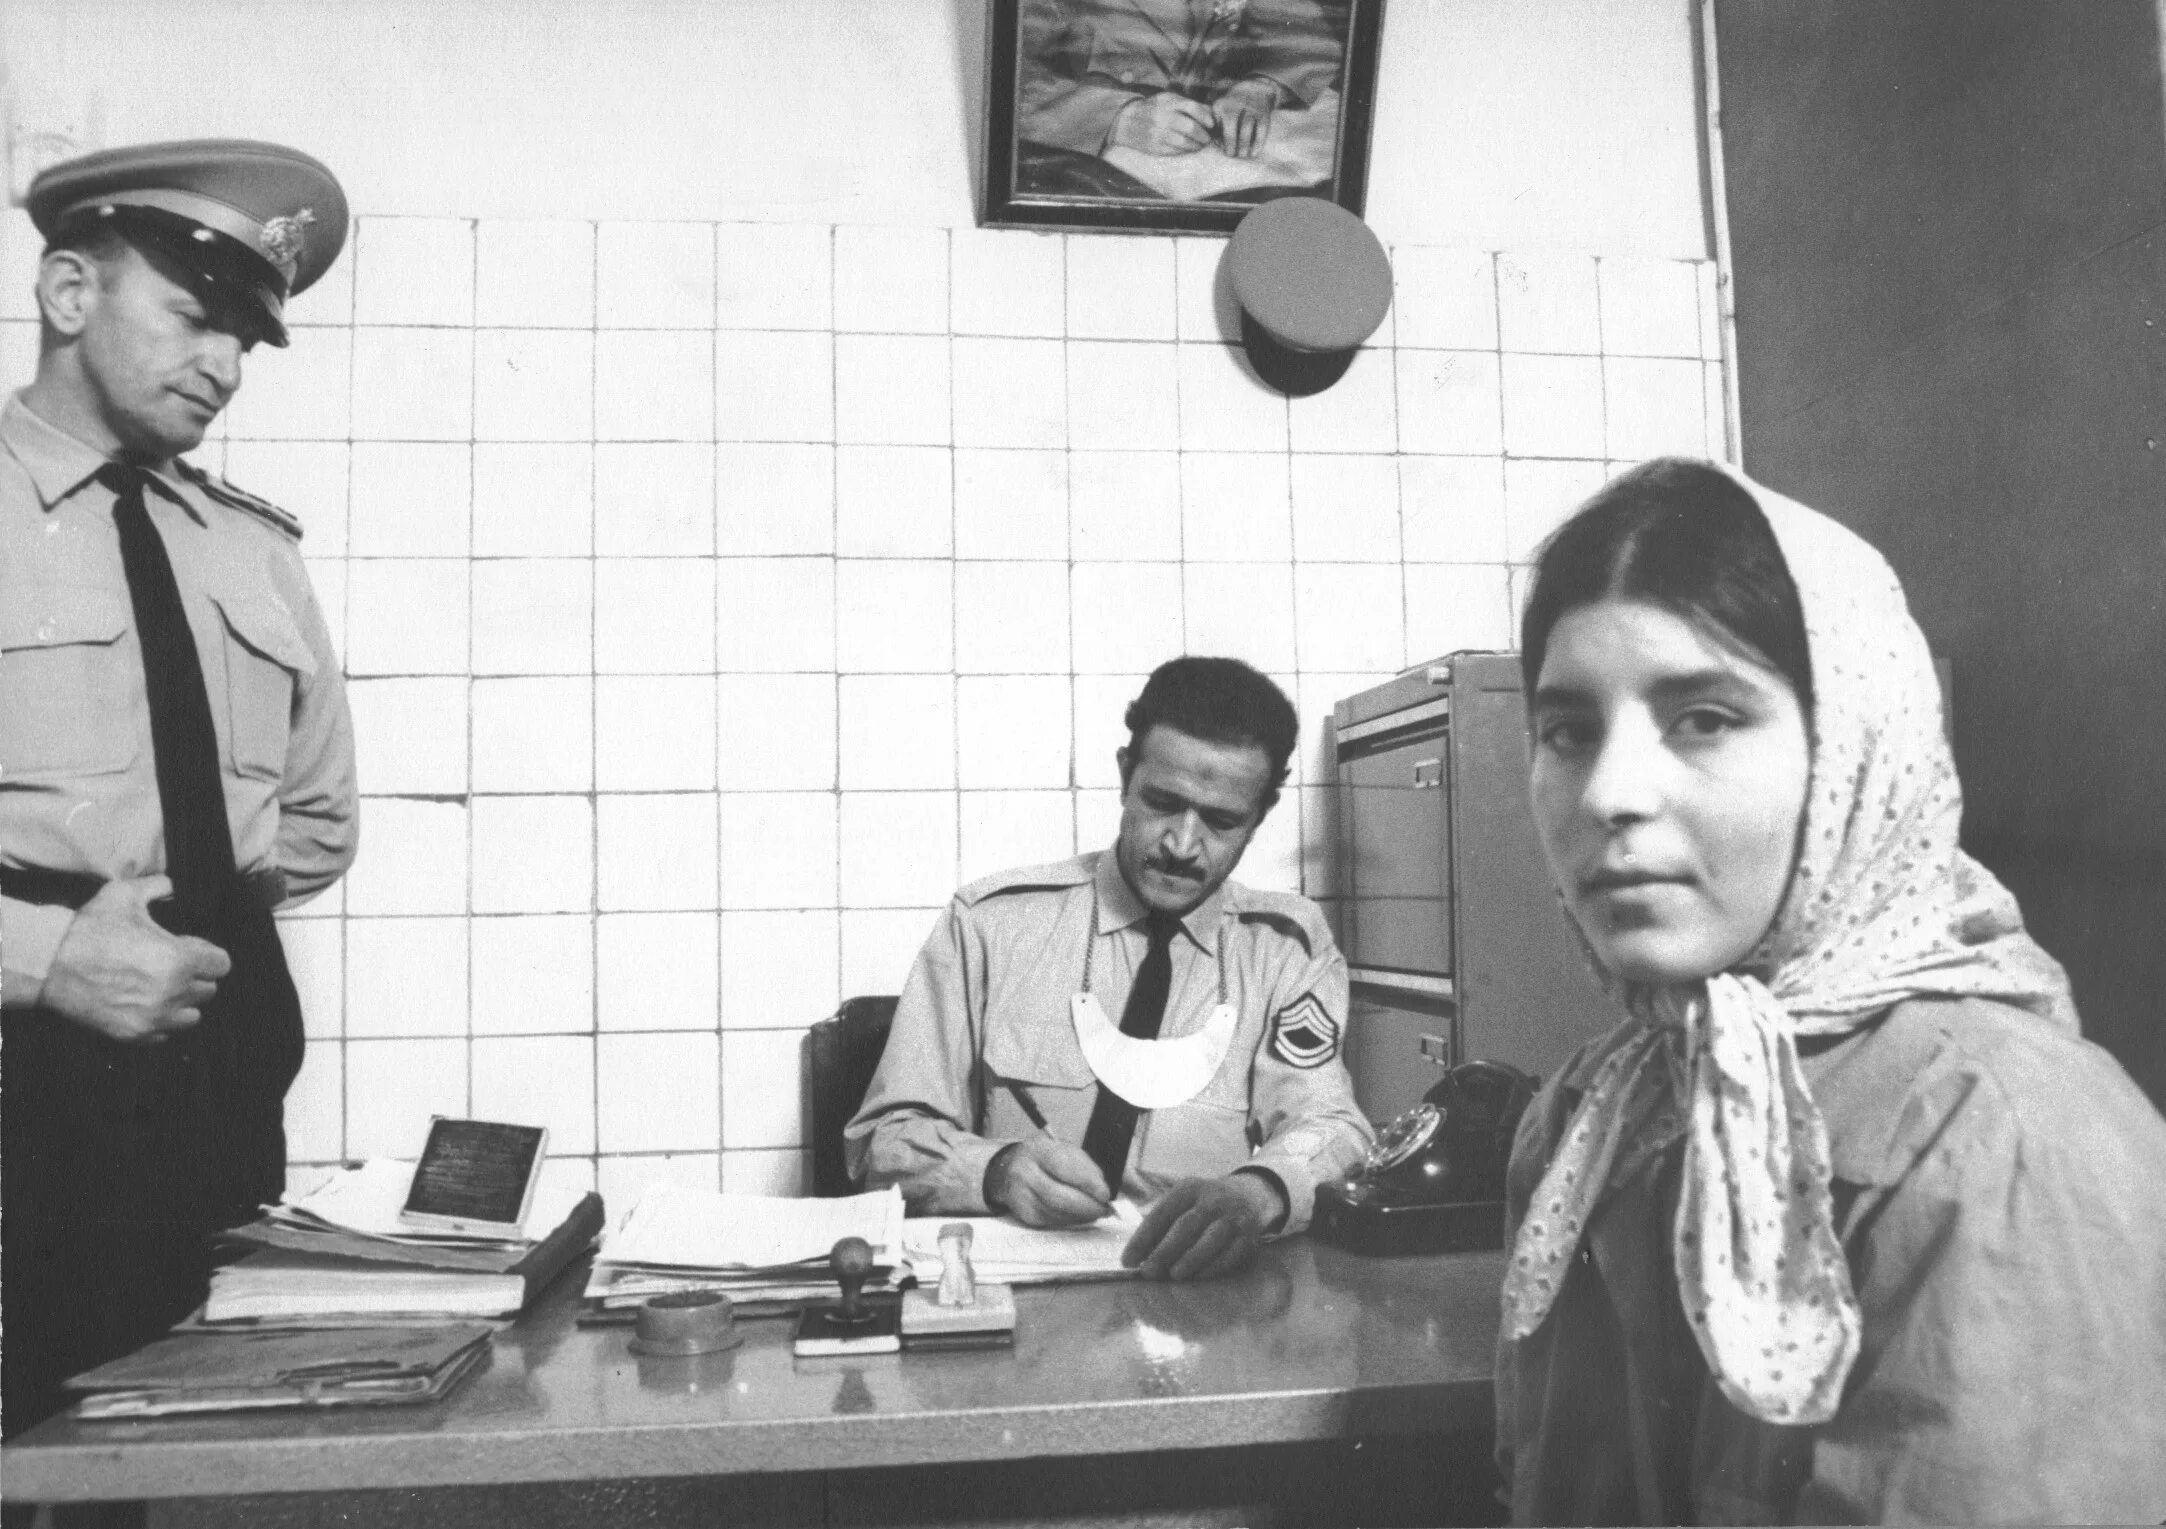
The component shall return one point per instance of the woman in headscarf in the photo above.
(1843, 1221)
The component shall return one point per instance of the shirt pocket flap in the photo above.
(266, 629)
(68, 616)
(1044, 1054)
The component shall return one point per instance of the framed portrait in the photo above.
(1174, 115)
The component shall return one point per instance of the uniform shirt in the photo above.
(78, 787)
(983, 1050)
(2000, 1192)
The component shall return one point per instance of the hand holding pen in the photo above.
(1044, 1181)
(1166, 122)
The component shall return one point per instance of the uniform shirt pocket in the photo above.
(266, 660)
(1211, 1134)
(68, 685)
(1037, 1072)
(1200, 1139)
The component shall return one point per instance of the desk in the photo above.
(1309, 1345)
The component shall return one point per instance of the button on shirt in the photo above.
(78, 787)
(983, 1049)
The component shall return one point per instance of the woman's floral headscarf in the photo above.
(1881, 906)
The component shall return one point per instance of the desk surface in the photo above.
(1310, 1343)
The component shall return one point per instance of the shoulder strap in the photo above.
(1288, 912)
(234, 499)
(1058, 876)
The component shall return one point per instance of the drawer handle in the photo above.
(1428, 773)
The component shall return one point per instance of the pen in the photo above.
(1027, 1105)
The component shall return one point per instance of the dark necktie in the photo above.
(1113, 1119)
(184, 741)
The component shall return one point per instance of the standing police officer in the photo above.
(176, 757)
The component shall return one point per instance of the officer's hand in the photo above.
(1202, 1228)
(1165, 123)
(1243, 114)
(1042, 1181)
(120, 974)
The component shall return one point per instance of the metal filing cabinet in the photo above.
(1447, 916)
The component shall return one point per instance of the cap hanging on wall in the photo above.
(1313, 282)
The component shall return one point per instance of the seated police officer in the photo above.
(1219, 1100)
(176, 758)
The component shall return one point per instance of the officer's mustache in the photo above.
(1186, 870)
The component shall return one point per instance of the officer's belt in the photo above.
(71, 889)
(31, 884)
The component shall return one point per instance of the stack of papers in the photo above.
(339, 1255)
(766, 1252)
(1005, 1252)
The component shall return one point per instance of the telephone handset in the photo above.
(1434, 1181)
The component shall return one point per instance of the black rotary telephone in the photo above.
(1434, 1181)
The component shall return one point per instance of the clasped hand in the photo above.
(1198, 1229)
(118, 973)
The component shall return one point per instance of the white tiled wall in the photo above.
(718, 597)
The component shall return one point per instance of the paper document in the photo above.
(677, 1227)
(368, 1200)
(1299, 150)
(1006, 1252)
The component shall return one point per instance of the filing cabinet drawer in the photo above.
(1384, 1056)
(1406, 934)
(1441, 873)
(1400, 839)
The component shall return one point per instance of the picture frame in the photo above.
(1174, 116)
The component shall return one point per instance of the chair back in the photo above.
(844, 1050)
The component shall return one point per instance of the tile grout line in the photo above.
(473, 395)
(955, 562)
(834, 595)
(714, 682)
(1068, 454)
(594, 795)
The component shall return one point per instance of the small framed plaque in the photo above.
(475, 1177)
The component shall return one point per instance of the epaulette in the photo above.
(1029, 878)
(1289, 912)
(233, 498)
